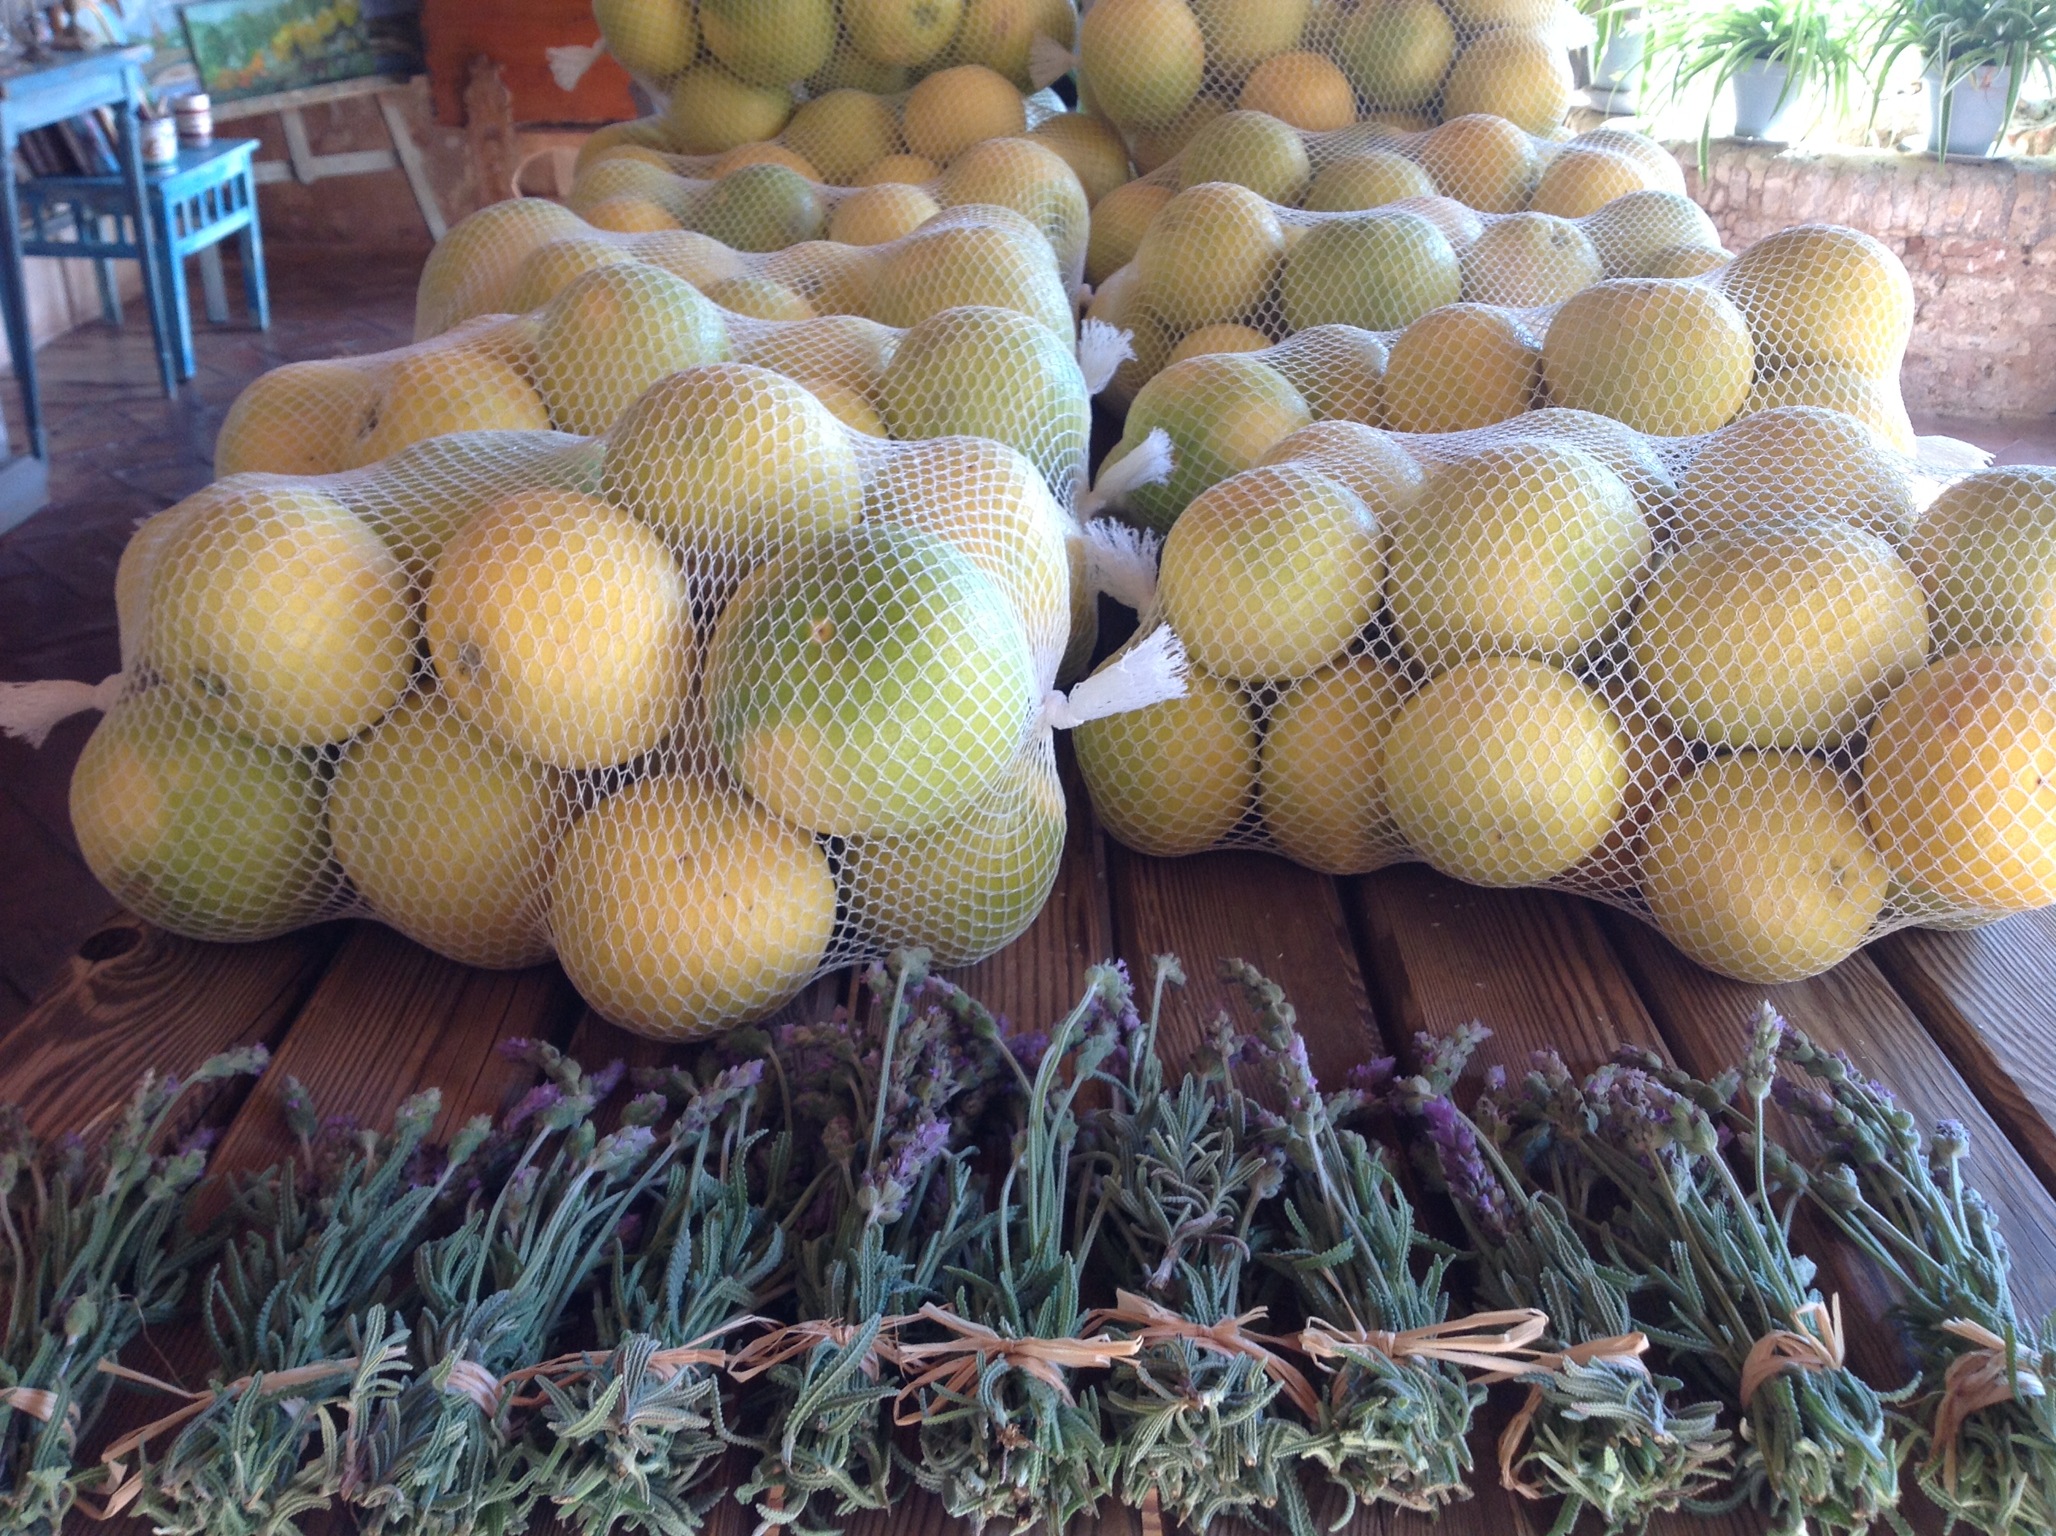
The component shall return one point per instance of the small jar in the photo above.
(160, 141)
(195, 116)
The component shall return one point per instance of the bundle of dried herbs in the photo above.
(632, 1428)
(94, 1247)
(1983, 1426)
(1641, 1165)
(886, 1107)
(442, 1455)
(1599, 1429)
(1178, 1176)
(1392, 1425)
(297, 1314)
(1005, 1434)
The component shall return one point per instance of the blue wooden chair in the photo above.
(195, 204)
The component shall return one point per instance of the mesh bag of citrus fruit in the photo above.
(1208, 276)
(1484, 163)
(583, 359)
(753, 57)
(767, 206)
(704, 707)
(514, 257)
(1814, 315)
(840, 134)
(1161, 70)
(1482, 160)
(1777, 688)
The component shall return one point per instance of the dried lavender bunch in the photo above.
(1393, 1423)
(93, 1248)
(295, 1311)
(1178, 1179)
(1983, 1427)
(442, 1454)
(633, 1428)
(1599, 1430)
(1004, 1433)
(885, 1109)
(1641, 1165)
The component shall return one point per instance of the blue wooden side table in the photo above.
(35, 95)
(209, 194)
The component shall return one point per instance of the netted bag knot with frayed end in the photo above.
(729, 697)
(1776, 689)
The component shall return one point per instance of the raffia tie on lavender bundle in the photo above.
(886, 1108)
(1635, 1158)
(97, 1248)
(1179, 1178)
(1392, 1425)
(1006, 1433)
(1983, 1422)
(447, 1454)
(631, 1432)
(1598, 1429)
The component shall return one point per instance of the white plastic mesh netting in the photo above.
(1162, 70)
(1777, 689)
(1815, 315)
(1484, 163)
(766, 205)
(704, 707)
(759, 56)
(516, 256)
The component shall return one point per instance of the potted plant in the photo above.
(1975, 55)
(1607, 66)
(1770, 52)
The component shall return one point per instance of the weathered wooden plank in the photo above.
(1531, 966)
(1989, 999)
(389, 1019)
(136, 997)
(1286, 921)
(1852, 1008)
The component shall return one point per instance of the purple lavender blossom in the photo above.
(886, 1189)
(1373, 1076)
(1028, 1049)
(1470, 1179)
(534, 1104)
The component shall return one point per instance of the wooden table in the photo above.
(1961, 1025)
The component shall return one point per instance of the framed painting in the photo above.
(261, 47)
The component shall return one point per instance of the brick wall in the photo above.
(1977, 236)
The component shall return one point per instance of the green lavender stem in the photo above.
(96, 1249)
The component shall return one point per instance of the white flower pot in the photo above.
(1764, 98)
(1619, 69)
(1977, 110)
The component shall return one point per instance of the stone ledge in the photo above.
(1978, 238)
